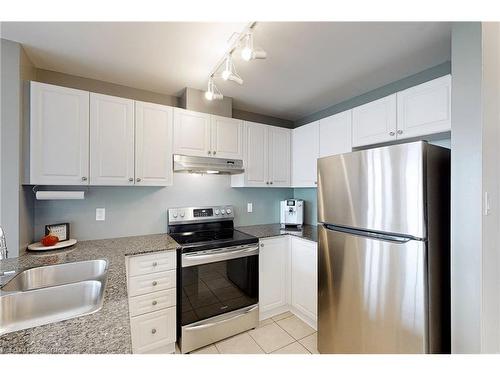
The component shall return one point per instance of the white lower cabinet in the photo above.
(273, 275)
(288, 278)
(304, 279)
(152, 302)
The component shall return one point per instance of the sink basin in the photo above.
(59, 274)
(21, 310)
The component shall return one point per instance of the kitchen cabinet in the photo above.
(374, 122)
(304, 279)
(59, 136)
(111, 140)
(425, 109)
(153, 144)
(226, 137)
(335, 134)
(191, 133)
(273, 276)
(151, 285)
(266, 157)
(305, 152)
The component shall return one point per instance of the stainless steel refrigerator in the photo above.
(384, 250)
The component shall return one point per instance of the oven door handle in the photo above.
(204, 257)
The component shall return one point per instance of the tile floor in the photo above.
(282, 334)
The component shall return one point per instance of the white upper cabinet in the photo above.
(279, 140)
(59, 135)
(335, 134)
(305, 152)
(256, 160)
(191, 133)
(153, 144)
(374, 122)
(304, 278)
(111, 140)
(226, 137)
(425, 109)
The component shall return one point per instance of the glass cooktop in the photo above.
(211, 239)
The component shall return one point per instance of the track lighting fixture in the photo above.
(213, 92)
(248, 51)
(229, 72)
(244, 40)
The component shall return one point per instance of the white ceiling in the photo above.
(310, 65)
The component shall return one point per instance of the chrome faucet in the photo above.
(3, 245)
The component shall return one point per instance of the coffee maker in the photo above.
(292, 214)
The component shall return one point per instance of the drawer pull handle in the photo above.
(155, 264)
(153, 331)
(155, 283)
(154, 303)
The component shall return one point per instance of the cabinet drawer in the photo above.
(156, 262)
(152, 302)
(152, 329)
(153, 282)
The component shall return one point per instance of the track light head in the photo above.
(212, 92)
(229, 72)
(248, 51)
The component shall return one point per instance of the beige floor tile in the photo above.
(271, 337)
(293, 348)
(265, 322)
(282, 316)
(295, 327)
(239, 344)
(210, 349)
(311, 343)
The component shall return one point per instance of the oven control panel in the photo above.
(184, 215)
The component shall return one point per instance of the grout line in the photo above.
(261, 348)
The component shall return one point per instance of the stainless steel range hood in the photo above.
(200, 164)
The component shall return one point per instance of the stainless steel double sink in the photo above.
(51, 294)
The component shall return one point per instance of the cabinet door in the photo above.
(374, 122)
(227, 137)
(153, 144)
(305, 152)
(191, 133)
(256, 161)
(59, 135)
(279, 156)
(111, 140)
(335, 134)
(273, 273)
(425, 109)
(304, 278)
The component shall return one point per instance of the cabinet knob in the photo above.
(400, 132)
(261, 245)
(154, 303)
(271, 183)
(84, 178)
(155, 264)
(131, 179)
(315, 182)
(214, 152)
(267, 182)
(138, 179)
(209, 152)
(153, 331)
(391, 134)
(155, 283)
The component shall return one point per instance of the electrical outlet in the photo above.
(100, 214)
(249, 207)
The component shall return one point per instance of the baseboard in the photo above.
(270, 313)
(287, 308)
(306, 318)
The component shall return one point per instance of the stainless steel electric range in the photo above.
(217, 276)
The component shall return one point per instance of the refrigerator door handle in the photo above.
(375, 235)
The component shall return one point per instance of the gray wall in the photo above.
(142, 210)
(194, 100)
(402, 84)
(10, 142)
(309, 195)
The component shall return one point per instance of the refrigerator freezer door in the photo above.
(380, 189)
(371, 296)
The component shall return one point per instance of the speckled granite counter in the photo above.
(309, 232)
(106, 331)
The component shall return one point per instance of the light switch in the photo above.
(100, 214)
(249, 207)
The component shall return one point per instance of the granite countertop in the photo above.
(308, 232)
(107, 330)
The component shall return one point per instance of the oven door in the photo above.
(215, 282)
